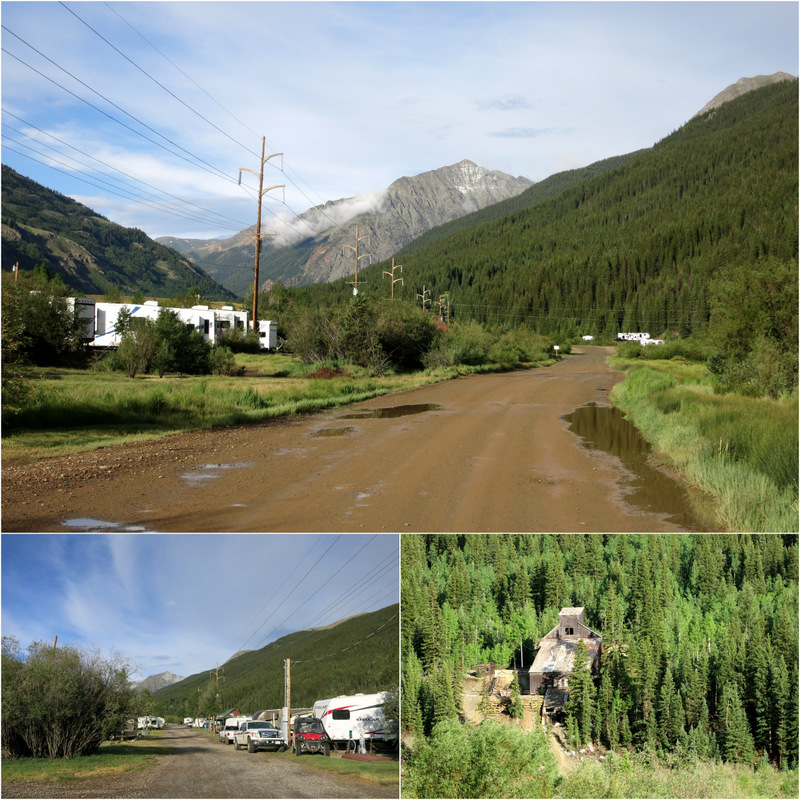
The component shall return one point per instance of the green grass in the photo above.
(741, 451)
(111, 759)
(633, 778)
(75, 410)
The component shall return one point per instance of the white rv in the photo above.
(352, 717)
(212, 323)
(268, 334)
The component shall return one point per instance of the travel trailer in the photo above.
(352, 717)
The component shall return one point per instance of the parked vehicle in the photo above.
(310, 737)
(354, 717)
(231, 726)
(256, 734)
(188, 721)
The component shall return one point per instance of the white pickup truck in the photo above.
(256, 734)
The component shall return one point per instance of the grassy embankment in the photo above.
(644, 776)
(76, 410)
(111, 759)
(743, 451)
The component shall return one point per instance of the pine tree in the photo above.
(736, 742)
(776, 711)
(581, 703)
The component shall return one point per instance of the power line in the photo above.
(349, 647)
(222, 221)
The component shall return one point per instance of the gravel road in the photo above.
(202, 767)
(480, 453)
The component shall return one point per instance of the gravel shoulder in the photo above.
(491, 453)
(205, 768)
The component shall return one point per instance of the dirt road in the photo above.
(481, 453)
(202, 767)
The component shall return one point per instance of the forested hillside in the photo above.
(700, 634)
(645, 247)
(357, 655)
(90, 253)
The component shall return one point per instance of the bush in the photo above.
(223, 362)
(405, 333)
(490, 760)
(61, 702)
(463, 343)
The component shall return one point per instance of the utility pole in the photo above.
(355, 282)
(288, 687)
(55, 641)
(424, 299)
(391, 275)
(261, 192)
(444, 300)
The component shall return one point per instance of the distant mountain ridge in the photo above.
(386, 221)
(743, 86)
(155, 682)
(88, 251)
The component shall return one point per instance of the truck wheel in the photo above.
(326, 749)
(298, 748)
(250, 748)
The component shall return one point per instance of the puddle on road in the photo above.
(210, 471)
(333, 431)
(89, 524)
(605, 428)
(393, 412)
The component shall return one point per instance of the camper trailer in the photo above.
(212, 323)
(349, 718)
(268, 334)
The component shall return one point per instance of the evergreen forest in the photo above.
(699, 658)
(359, 654)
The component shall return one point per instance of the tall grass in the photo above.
(742, 451)
(638, 776)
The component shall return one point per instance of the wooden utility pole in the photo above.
(424, 299)
(354, 283)
(55, 641)
(288, 669)
(261, 192)
(391, 275)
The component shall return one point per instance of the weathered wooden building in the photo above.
(554, 662)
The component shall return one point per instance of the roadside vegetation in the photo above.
(62, 702)
(740, 449)
(111, 758)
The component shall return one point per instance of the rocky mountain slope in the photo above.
(386, 221)
(742, 86)
(155, 682)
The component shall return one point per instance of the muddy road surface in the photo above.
(480, 453)
(201, 767)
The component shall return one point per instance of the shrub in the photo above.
(463, 343)
(490, 760)
(223, 362)
(61, 702)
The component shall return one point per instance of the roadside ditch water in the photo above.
(649, 489)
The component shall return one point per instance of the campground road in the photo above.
(199, 766)
(490, 453)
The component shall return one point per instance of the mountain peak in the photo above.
(743, 86)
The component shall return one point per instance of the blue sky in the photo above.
(184, 602)
(355, 94)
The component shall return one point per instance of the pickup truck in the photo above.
(258, 735)
(231, 726)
